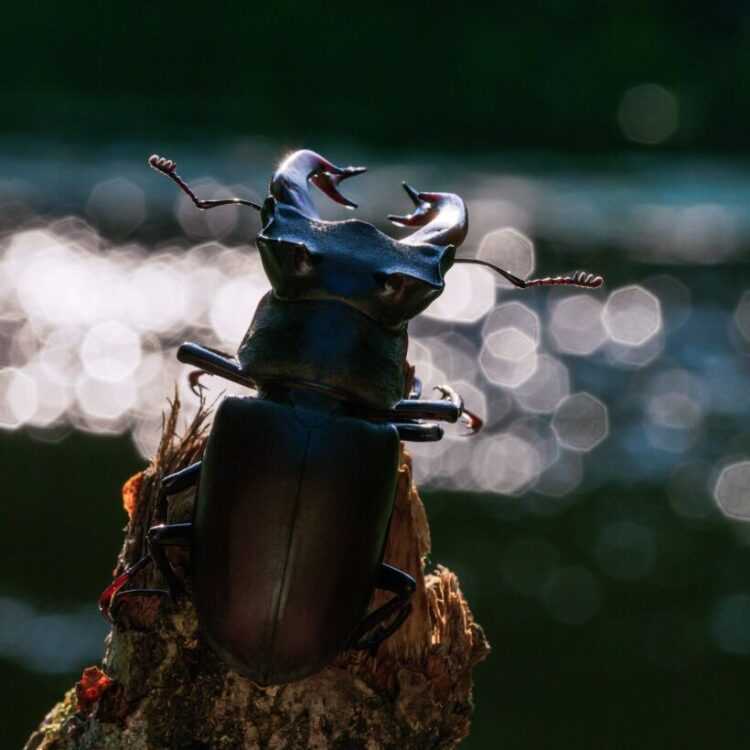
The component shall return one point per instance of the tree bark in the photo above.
(160, 686)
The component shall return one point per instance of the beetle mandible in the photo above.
(296, 485)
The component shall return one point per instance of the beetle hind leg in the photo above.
(419, 432)
(158, 537)
(108, 596)
(372, 631)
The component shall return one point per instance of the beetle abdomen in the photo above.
(290, 525)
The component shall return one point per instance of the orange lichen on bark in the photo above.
(90, 688)
(130, 492)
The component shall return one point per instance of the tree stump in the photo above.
(160, 686)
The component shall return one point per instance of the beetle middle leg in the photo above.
(177, 482)
(370, 633)
(472, 421)
(449, 408)
(161, 536)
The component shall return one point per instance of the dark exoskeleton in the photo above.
(296, 486)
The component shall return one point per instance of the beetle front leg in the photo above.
(157, 536)
(214, 363)
(108, 596)
(395, 580)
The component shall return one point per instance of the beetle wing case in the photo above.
(285, 557)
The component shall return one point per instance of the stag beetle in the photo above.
(296, 486)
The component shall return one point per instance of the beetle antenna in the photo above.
(578, 278)
(169, 167)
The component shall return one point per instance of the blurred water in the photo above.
(105, 268)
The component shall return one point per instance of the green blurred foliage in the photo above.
(444, 75)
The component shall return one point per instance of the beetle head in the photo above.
(351, 261)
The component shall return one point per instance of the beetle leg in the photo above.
(450, 408)
(395, 580)
(107, 597)
(182, 479)
(450, 395)
(472, 421)
(194, 379)
(215, 363)
(417, 409)
(158, 537)
(419, 432)
(161, 536)
(177, 482)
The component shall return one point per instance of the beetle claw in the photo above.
(194, 378)
(473, 423)
(449, 394)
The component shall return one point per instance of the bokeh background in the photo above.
(597, 524)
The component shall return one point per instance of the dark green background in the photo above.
(420, 78)
(452, 76)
